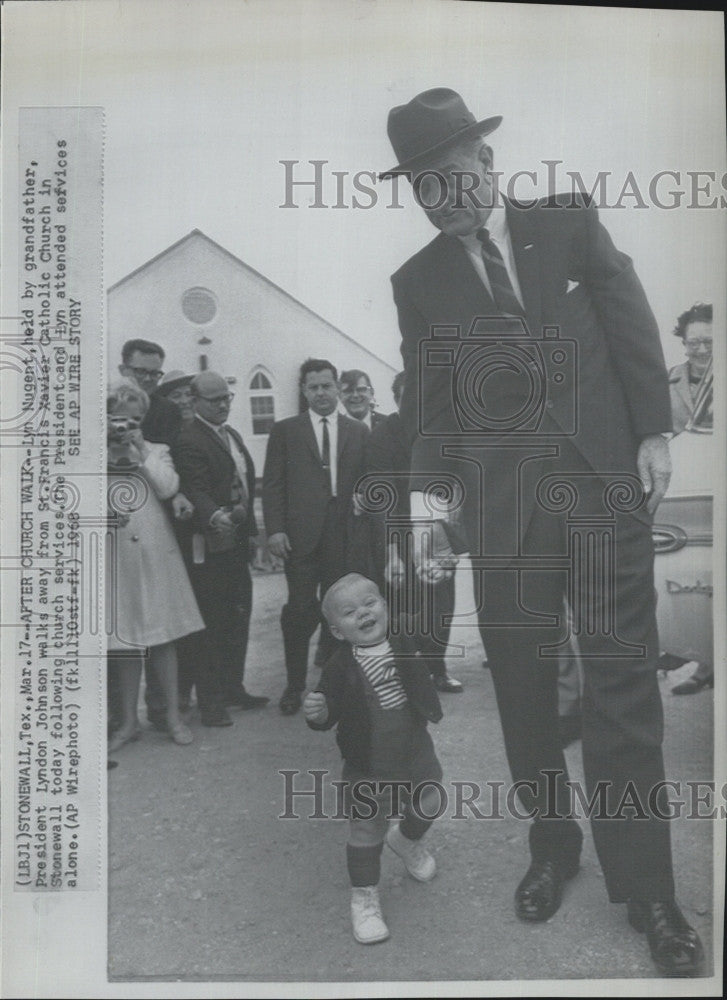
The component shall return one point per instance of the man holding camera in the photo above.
(218, 476)
(536, 388)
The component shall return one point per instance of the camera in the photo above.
(497, 380)
(120, 425)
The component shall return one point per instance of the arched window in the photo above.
(262, 402)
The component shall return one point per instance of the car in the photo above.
(683, 536)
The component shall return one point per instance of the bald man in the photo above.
(218, 476)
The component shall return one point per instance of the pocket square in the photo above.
(572, 285)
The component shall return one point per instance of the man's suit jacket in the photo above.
(162, 421)
(572, 278)
(207, 469)
(295, 485)
(377, 419)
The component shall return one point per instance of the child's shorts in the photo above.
(401, 750)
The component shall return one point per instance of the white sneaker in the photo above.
(418, 861)
(368, 922)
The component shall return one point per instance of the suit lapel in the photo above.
(459, 274)
(343, 434)
(211, 435)
(524, 241)
(309, 435)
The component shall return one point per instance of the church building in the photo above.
(210, 310)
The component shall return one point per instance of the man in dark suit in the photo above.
(141, 361)
(312, 464)
(218, 476)
(536, 387)
(388, 458)
(357, 396)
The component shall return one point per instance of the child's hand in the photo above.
(314, 707)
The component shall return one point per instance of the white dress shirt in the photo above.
(332, 420)
(496, 226)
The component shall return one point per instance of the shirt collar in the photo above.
(496, 226)
(217, 428)
(316, 417)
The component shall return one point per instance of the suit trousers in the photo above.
(425, 609)
(214, 660)
(601, 558)
(309, 577)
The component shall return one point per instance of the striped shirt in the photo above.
(377, 663)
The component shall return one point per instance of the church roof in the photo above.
(197, 233)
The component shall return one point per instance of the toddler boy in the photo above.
(381, 695)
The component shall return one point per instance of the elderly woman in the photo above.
(152, 599)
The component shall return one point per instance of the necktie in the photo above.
(502, 291)
(326, 451)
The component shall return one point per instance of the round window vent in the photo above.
(199, 305)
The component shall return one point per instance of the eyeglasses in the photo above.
(227, 398)
(360, 390)
(146, 373)
(698, 342)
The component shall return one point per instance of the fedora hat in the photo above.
(173, 380)
(429, 124)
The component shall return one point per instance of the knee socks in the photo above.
(364, 864)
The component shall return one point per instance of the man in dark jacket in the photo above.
(536, 387)
(218, 476)
(312, 465)
(388, 457)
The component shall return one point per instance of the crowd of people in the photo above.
(191, 518)
(552, 267)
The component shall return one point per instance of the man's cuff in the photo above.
(419, 509)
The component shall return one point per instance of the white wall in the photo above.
(256, 325)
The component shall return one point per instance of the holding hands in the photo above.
(315, 708)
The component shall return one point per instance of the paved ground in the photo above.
(206, 881)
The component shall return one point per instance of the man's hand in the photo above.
(223, 526)
(395, 570)
(181, 507)
(654, 464)
(279, 545)
(433, 555)
(315, 708)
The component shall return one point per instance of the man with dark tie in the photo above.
(536, 387)
(312, 464)
(218, 476)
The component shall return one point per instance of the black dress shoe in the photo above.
(540, 893)
(674, 945)
(218, 717)
(246, 701)
(290, 702)
(694, 683)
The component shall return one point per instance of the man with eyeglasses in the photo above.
(141, 361)
(357, 395)
(218, 475)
